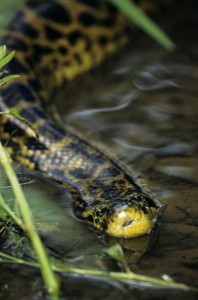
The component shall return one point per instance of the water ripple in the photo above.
(123, 103)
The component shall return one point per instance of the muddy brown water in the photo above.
(145, 111)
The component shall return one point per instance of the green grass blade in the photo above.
(144, 22)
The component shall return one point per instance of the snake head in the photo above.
(132, 218)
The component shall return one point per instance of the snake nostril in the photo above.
(127, 223)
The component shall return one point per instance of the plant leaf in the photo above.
(6, 59)
(2, 51)
(7, 78)
(116, 253)
(15, 113)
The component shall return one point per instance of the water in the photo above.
(145, 111)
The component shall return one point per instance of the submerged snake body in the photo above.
(54, 42)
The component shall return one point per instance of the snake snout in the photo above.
(130, 222)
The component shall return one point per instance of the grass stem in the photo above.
(49, 277)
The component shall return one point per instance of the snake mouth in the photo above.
(130, 222)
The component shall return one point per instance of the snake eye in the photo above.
(127, 223)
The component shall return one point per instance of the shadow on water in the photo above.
(146, 110)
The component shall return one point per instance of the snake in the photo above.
(54, 42)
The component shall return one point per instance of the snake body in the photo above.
(54, 42)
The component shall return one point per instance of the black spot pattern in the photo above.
(11, 128)
(38, 52)
(30, 31)
(87, 19)
(54, 12)
(103, 40)
(79, 174)
(62, 50)
(91, 3)
(110, 172)
(33, 143)
(52, 34)
(74, 36)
